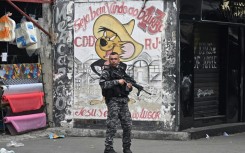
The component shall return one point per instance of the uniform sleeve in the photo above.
(105, 81)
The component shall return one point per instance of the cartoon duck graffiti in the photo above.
(113, 36)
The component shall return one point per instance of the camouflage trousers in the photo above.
(118, 110)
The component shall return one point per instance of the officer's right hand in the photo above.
(121, 81)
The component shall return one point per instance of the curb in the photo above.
(188, 134)
(215, 130)
(148, 135)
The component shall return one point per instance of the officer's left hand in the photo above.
(129, 85)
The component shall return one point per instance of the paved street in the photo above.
(220, 144)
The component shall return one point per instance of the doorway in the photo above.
(208, 72)
(212, 59)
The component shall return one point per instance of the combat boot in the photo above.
(109, 150)
(127, 150)
(126, 147)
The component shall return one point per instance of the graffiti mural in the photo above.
(63, 63)
(134, 33)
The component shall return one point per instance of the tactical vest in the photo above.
(115, 91)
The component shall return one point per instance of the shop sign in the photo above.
(225, 10)
(233, 10)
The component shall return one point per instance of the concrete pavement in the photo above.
(42, 144)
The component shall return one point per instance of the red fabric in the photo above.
(25, 102)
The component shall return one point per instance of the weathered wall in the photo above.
(170, 70)
(74, 62)
(63, 62)
(139, 47)
(46, 60)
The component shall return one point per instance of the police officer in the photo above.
(116, 91)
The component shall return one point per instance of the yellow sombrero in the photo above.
(124, 31)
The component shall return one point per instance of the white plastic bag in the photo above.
(25, 34)
(36, 45)
(7, 27)
(3, 150)
(14, 144)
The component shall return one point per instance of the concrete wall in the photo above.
(63, 62)
(46, 60)
(76, 93)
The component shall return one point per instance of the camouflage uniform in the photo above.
(117, 106)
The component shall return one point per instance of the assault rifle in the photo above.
(120, 74)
